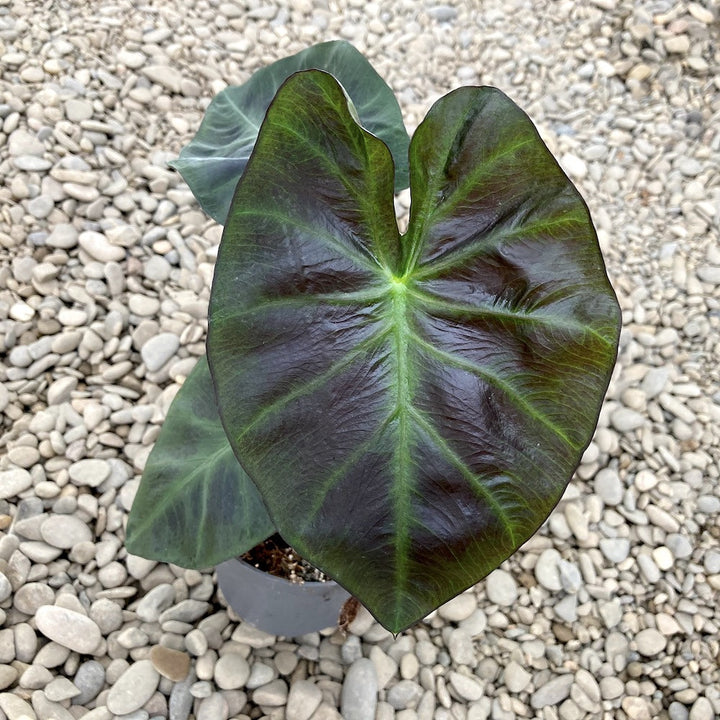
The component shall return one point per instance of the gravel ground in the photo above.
(611, 611)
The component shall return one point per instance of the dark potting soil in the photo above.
(276, 557)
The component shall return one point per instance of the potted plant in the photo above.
(404, 410)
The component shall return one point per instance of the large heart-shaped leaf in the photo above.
(410, 407)
(214, 160)
(195, 506)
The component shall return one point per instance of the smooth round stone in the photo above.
(131, 59)
(139, 567)
(63, 236)
(358, 697)
(468, 688)
(260, 674)
(186, 611)
(645, 480)
(459, 608)
(143, 305)
(663, 557)
(648, 568)
(65, 531)
(77, 110)
(625, 420)
(552, 692)
(172, 664)
(39, 552)
(608, 486)
(231, 671)
(196, 643)
(44, 708)
(15, 707)
(23, 268)
(61, 390)
(13, 482)
(574, 165)
(303, 700)
(133, 688)
(702, 709)
(164, 75)
(201, 689)
(286, 661)
(213, 707)
(708, 504)
(410, 665)
(68, 628)
(132, 637)
(636, 708)
(159, 349)
(611, 688)
(547, 570)
(31, 163)
(20, 354)
(426, 652)
(72, 317)
(46, 490)
(667, 624)
(32, 596)
(66, 341)
(24, 455)
(181, 699)
(112, 575)
(677, 711)
(35, 677)
(107, 615)
(404, 694)
(51, 655)
(22, 142)
(501, 588)
(515, 677)
(689, 166)
(157, 600)
(61, 689)
(99, 248)
(615, 549)
(90, 680)
(83, 193)
(26, 642)
(41, 206)
(650, 642)
(274, 694)
(157, 268)
(711, 562)
(461, 648)
(679, 545)
(90, 472)
(570, 576)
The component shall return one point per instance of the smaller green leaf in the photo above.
(214, 160)
(195, 506)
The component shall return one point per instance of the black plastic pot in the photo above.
(276, 605)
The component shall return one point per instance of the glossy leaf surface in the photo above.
(195, 506)
(214, 160)
(410, 407)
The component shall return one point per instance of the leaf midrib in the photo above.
(402, 483)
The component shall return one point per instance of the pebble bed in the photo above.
(609, 612)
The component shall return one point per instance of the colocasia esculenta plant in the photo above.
(404, 409)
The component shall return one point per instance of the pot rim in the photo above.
(278, 578)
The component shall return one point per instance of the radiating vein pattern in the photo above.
(410, 408)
